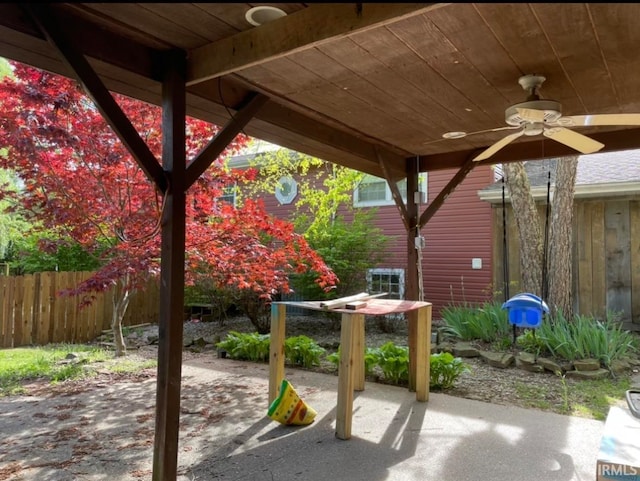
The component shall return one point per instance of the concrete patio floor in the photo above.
(225, 434)
(397, 438)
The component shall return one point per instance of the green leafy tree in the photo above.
(325, 192)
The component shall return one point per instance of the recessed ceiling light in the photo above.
(257, 16)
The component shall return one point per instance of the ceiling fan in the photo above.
(538, 116)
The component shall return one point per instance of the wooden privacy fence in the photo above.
(32, 312)
(605, 257)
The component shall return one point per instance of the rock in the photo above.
(618, 366)
(527, 362)
(586, 365)
(498, 359)
(199, 342)
(526, 358)
(152, 339)
(446, 347)
(187, 341)
(464, 349)
(529, 367)
(592, 375)
(72, 356)
(551, 365)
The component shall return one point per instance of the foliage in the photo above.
(46, 251)
(246, 346)
(587, 338)
(350, 249)
(370, 359)
(529, 341)
(302, 351)
(81, 181)
(445, 369)
(468, 322)
(393, 360)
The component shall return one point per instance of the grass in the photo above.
(49, 363)
(587, 399)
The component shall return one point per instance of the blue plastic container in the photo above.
(526, 310)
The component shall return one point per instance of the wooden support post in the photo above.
(165, 453)
(276, 349)
(412, 291)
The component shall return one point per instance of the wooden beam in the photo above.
(299, 31)
(222, 139)
(455, 181)
(395, 192)
(93, 41)
(165, 451)
(301, 124)
(103, 100)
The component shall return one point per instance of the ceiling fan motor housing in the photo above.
(552, 111)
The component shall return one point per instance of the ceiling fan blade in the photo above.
(600, 119)
(460, 135)
(579, 142)
(498, 145)
(531, 115)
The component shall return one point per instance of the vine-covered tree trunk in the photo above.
(560, 233)
(528, 225)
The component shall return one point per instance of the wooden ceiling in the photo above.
(365, 85)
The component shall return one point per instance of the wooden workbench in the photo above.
(351, 373)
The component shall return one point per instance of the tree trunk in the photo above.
(121, 299)
(528, 225)
(560, 237)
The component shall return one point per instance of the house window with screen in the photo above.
(390, 281)
(374, 191)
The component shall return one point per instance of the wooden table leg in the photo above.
(423, 352)
(344, 410)
(358, 353)
(276, 349)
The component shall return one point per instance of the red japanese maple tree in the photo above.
(79, 178)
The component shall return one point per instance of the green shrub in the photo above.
(585, 337)
(302, 351)
(370, 360)
(488, 323)
(246, 346)
(445, 370)
(529, 341)
(393, 361)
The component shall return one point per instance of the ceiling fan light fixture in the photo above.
(454, 135)
(257, 16)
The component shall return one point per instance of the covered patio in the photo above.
(370, 86)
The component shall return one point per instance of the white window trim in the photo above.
(422, 186)
(293, 190)
(389, 272)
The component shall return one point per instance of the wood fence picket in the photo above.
(32, 312)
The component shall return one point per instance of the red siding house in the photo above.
(457, 253)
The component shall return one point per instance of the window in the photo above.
(228, 195)
(374, 191)
(286, 190)
(386, 280)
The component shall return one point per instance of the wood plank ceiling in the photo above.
(356, 83)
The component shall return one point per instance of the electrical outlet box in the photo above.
(476, 263)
